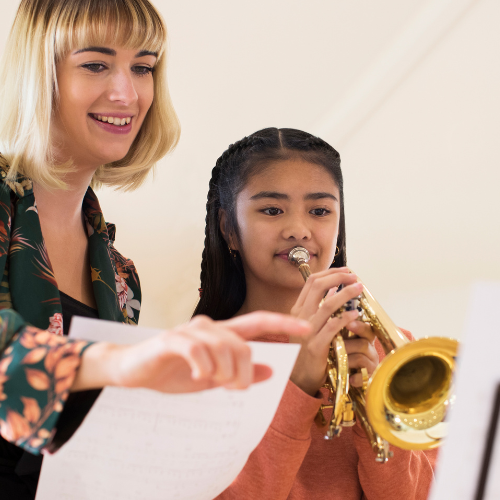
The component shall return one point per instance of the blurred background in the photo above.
(406, 90)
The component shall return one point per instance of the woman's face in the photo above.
(289, 203)
(105, 93)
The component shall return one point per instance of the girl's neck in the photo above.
(262, 297)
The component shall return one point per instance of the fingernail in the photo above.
(359, 286)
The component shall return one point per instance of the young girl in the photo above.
(270, 192)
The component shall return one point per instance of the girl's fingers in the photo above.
(318, 284)
(361, 346)
(356, 380)
(319, 288)
(357, 361)
(321, 342)
(363, 330)
(332, 304)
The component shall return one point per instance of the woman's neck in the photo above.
(64, 206)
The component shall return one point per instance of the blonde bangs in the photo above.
(126, 23)
(44, 32)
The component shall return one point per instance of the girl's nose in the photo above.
(297, 229)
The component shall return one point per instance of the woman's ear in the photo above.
(228, 236)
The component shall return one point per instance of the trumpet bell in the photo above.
(410, 392)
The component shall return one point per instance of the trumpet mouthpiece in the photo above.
(298, 256)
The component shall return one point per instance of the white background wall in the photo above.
(406, 90)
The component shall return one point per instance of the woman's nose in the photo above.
(122, 88)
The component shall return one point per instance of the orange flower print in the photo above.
(37, 379)
(15, 427)
(56, 324)
(32, 410)
(4, 364)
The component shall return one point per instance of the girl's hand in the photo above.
(198, 355)
(309, 372)
(361, 351)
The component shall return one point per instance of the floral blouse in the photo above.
(37, 364)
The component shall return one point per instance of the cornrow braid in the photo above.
(223, 284)
(228, 270)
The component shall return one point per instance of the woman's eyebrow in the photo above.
(102, 50)
(270, 194)
(143, 53)
(111, 52)
(319, 196)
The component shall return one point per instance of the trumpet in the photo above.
(404, 402)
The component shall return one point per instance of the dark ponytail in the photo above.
(223, 285)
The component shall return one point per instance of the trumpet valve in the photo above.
(348, 419)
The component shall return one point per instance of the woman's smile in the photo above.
(115, 123)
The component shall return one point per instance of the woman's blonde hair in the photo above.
(44, 32)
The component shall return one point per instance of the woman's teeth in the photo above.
(114, 121)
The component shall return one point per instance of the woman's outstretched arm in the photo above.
(198, 355)
(38, 369)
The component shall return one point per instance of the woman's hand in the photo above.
(198, 355)
(361, 351)
(309, 372)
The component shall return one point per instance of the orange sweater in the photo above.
(294, 461)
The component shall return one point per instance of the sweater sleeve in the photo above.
(408, 474)
(271, 468)
(37, 369)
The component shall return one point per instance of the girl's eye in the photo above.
(94, 67)
(320, 212)
(273, 211)
(142, 70)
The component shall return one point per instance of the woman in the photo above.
(269, 192)
(83, 103)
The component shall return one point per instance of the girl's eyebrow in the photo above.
(111, 52)
(270, 194)
(319, 196)
(281, 196)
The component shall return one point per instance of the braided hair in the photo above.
(223, 285)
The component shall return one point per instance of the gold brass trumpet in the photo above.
(404, 403)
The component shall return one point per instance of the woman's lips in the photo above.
(114, 129)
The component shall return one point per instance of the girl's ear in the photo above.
(229, 237)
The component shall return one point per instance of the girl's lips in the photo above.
(114, 129)
(284, 256)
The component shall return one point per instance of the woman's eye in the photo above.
(320, 212)
(273, 211)
(142, 70)
(94, 67)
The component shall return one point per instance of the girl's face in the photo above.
(105, 93)
(289, 203)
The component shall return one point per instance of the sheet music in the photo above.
(139, 444)
(461, 459)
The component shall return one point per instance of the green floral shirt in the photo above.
(38, 364)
